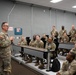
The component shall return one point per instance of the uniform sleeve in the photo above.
(31, 43)
(4, 42)
(69, 32)
(53, 47)
(70, 71)
(42, 45)
(67, 39)
(25, 42)
(63, 69)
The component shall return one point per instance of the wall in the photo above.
(33, 19)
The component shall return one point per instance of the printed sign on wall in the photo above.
(18, 31)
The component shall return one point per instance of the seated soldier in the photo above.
(72, 32)
(62, 31)
(50, 45)
(31, 44)
(64, 38)
(39, 44)
(23, 42)
(73, 39)
(69, 66)
(74, 50)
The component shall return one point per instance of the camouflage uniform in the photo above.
(51, 46)
(39, 44)
(30, 56)
(74, 51)
(54, 33)
(68, 68)
(5, 52)
(31, 43)
(23, 42)
(61, 33)
(72, 32)
(73, 39)
(65, 39)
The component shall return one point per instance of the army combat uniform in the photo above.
(31, 43)
(23, 43)
(54, 33)
(51, 46)
(39, 44)
(73, 39)
(72, 32)
(68, 68)
(61, 33)
(65, 39)
(30, 56)
(74, 51)
(5, 52)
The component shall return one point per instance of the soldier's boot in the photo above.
(25, 57)
(37, 61)
(30, 60)
(41, 66)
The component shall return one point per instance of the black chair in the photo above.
(28, 40)
(57, 45)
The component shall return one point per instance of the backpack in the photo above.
(55, 65)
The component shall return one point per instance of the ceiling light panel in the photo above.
(55, 1)
(74, 6)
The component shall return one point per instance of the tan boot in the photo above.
(41, 66)
(29, 61)
(36, 64)
(25, 58)
(37, 61)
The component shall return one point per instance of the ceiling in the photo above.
(63, 5)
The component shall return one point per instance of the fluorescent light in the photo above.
(74, 6)
(55, 1)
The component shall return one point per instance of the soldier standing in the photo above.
(5, 49)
